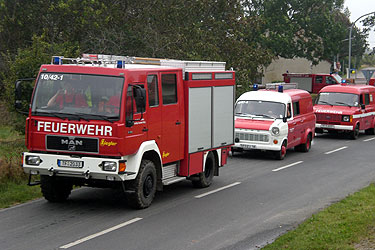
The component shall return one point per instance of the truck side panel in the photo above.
(223, 99)
(304, 83)
(200, 119)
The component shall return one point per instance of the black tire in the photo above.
(355, 133)
(319, 131)
(280, 155)
(55, 189)
(204, 179)
(370, 131)
(306, 146)
(144, 186)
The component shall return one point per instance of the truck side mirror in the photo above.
(363, 106)
(23, 90)
(140, 97)
(129, 108)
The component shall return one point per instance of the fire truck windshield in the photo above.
(83, 96)
(338, 99)
(260, 108)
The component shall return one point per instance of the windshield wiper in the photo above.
(344, 104)
(324, 102)
(54, 114)
(267, 116)
(103, 117)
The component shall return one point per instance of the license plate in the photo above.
(248, 146)
(70, 164)
(326, 126)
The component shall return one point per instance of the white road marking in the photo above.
(287, 166)
(330, 152)
(370, 139)
(100, 233)
(217, 190)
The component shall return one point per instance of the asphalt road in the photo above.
(254, 200)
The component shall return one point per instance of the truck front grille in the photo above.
(328, 117)
(72, 144)
(252, 137)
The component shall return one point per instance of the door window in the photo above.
(296, 110)
(319, 79)
(367, 99)
(153, 91)
(169, 88)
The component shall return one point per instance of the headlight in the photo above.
(275, 131)
(109, 166)
(346, 118)
(33, 160)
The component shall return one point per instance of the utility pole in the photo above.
(350, 40)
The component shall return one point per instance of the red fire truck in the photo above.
(346, 108)
(312, 82)
(128, 122)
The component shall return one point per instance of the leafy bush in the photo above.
(26, 64)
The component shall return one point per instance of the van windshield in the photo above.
(79, 96)
(337, 77)
(260, 108)
(338, 99)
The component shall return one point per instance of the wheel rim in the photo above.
(148, 186)
(283, 151)
(308, 143)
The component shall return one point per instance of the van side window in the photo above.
(153, 93)
(169, 88)
(330, 80)
(361, 99)
(367, 99)
(296, 108)
(289, 111)
(319, 79)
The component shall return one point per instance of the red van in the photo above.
(272, 120)
(347, 108)
(312, 82)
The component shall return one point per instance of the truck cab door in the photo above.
(137, 125)
(172, 117)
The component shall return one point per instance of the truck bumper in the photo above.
(251, 146)
(78, 167)
(334, 127)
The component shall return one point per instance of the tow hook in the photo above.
(51, 171)
(87, 174)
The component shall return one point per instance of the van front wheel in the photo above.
(355, 133)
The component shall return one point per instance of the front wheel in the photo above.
(143, 188)
(55, 189)
(355, 133)
(280, 155)
(205, 179)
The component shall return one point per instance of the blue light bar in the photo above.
(57, 60)
(280, 88)
(255, 87)
(120, 64)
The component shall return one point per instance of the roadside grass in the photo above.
(13, 188)
(13, 193)
(348, 224)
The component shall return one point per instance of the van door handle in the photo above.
(178, 123)
(145, 129)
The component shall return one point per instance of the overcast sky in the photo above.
(358, 8)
